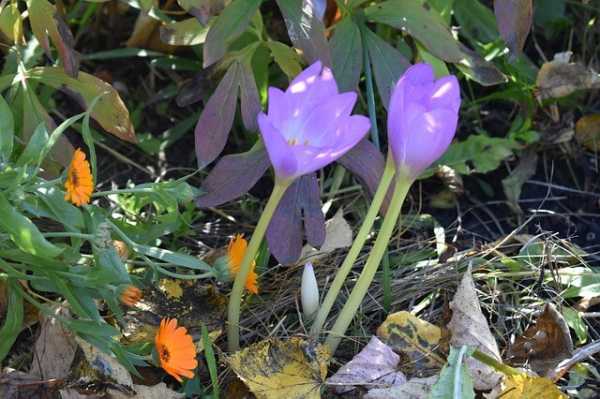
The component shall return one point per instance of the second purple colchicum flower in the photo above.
(422, 119)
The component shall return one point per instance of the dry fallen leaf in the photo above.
(587, 132)
(374, 365)
(416, 388)
(523, 386)
(469, 327)
(544, 344)
(54, 349)
(274, 369)
(171, 288)
(418, 339)
(560, 77)
(159, 391)
(338, 234)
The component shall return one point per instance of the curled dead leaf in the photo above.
(523, 386)
(560, 77)
(544, 344)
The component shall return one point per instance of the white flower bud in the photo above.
(309, 292)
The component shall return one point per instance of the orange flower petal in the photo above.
(176, 350)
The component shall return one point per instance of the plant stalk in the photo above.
(366, 277)
(233, 310)
(359, 242)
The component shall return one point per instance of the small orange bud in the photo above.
(131, 295)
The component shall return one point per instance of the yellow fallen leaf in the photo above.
(172, 288)
(418, 339)
(587, 131)
(290, 369)
(523, 386)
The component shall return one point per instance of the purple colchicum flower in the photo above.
(422, 119)
(310, 124)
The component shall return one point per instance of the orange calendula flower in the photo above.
(79, 184)
(235, 252)
(176, 350)
(131, 295)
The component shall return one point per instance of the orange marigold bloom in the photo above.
(79, 184)
(131, 295)
(176, 350)
(235, 252)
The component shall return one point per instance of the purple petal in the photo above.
(277, 106)
(446, 94)
(418, 74)
(281, 156)
(320, 125)
(431, 134)
(307, 76)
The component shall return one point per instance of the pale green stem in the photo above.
(366, 277)
(233, 310)
(359, 242)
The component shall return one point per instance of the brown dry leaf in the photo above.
(544, 344)
(274, 369)
(338, 234)
(469, 327)
(54, 349)
(415, 388)
(420, 340)
(514, 22)
(146, 34)
(374, 365)
(159, 391)
(560, 77)
(523, 386)
(46, 21)
(18, 385)
(587, 132)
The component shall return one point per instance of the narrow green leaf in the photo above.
(7, 130)
(24, 233)
(14, 319)
(211, 361)
(455, 382)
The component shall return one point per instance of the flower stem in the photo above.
(366, 277)
(359, 242)
(233, 310)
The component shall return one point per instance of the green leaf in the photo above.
(61, 210)
(110, 111)
(477, 22)
(423, 24)
(575, 320)
(14, 318)
(188, 32)
(232, 22)
(287, 59)
(35, 146)
(347, 54)
(388, 64)
(211, 361)
(11, 23)
(455, 382)
(24, 233)
(7, 130)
